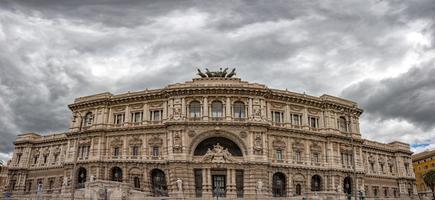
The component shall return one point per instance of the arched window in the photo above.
(81, 177)
(278, 185)
(136, 181)
(158, 181)
(116, 174)
(195, 109)
(342, 124)
(89, 119)
(298, 189)
(239, 109)
(216, 109)
(347, 185)
(316, 183)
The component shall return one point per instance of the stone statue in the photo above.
(232, 73)
(201, 74)
(65, 181)
(221, 73)
(259, 186)
(93, 178)
(179, 184)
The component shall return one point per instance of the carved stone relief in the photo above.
(258, 144)
(278, 144)
(178, 143)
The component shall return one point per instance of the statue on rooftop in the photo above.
(221, 73)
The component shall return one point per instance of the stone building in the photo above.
(213, 136)
(3, 177)
(422, 163)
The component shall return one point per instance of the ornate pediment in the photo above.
(116, 142)
(316, 148)
(135, 141)
(278, 144)
(298, 146)
(218, 155)
(155, 141)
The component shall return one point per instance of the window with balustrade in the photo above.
(238, 110)
(118, 118)
(277, 117)
(89, 119)
(195, 109)
(156, 115)
(296, 120)
(136, 117)
(216, 109)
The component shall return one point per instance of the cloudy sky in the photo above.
(378, 53)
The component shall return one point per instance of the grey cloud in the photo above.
(409, 96)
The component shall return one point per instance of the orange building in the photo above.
(422, 163)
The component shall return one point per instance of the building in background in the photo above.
(3, 178)
(213, 136)
(422, 163)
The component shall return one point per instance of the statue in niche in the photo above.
(258, 145)
(259, 186)
(179, 184)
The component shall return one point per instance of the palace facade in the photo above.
(213, 136)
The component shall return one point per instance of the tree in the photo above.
(429, 180)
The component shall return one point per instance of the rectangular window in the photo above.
(391, 169)
(116, 151)
(407, 168)
(279, 155)
(316, 157)
(298, 156)
(135, 151)
(56, 156)
(372, 167)
(313, 122)
(198, 182)
(45, 159)
(155, 151)
(296, 119)
(136, 117)
(35, 160)
(277, 116)
(119, 118)
(239, 183)
(156, 115)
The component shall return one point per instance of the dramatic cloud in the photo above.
(379, 53)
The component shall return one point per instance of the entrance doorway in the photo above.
(219, 187)
(219, 180)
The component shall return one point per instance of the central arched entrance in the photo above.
(347, 185)
(158, 181)
(209, 143)
(278, 185)
(81, 177)
(116, 174)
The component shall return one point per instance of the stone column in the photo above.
(127, 116)
(205, 109)
(287, 120)
(305, 119)
(249, 108)
(207, 185)
(228, 109)
(165, 111)
(183, 108)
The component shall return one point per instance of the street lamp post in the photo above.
(76, 155)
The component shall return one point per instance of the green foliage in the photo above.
(429, 179)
